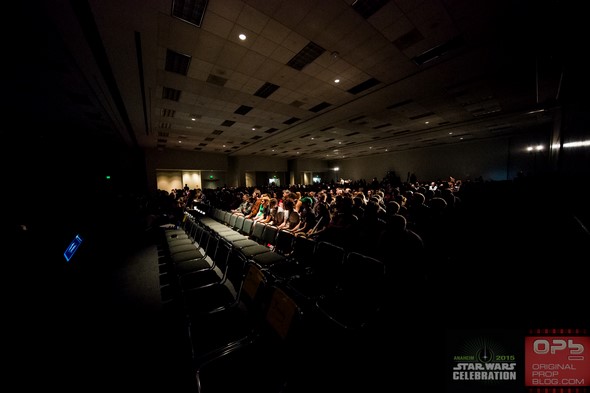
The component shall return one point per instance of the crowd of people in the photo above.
(384, 220)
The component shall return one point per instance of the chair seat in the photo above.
(182, 247)
(191, 266)
(268, 259)
(186, 256)
(208, 299)
(239, 244)
(254, 250)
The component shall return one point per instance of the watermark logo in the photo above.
(490, 360)
(557, 359)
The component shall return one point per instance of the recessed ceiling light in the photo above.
(336, 80)
(242, 36)
(426, 122)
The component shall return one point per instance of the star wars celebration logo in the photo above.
(485, 362)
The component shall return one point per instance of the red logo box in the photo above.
(557, 361)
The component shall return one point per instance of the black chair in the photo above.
(190, 261)
(202, 277)
(281, 246)
(189, 244)
(265, 236)
(216, 296)
(268, 362)
(254, 237)
(211, 331)
(359, 293)
(196, 250)
(321, 274)
(299, 261)
(182, 232)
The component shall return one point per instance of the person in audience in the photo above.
(264, 209)
(257, 201)
(290, 216)
(342, 228)
(275, 214)
(307, 218)
(321, 212)
(245, 207)
(402, 250)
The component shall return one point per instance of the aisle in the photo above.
(98, 323)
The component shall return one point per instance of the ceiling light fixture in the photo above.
(242, 36)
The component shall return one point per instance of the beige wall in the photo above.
(491, 159)
(169, 180)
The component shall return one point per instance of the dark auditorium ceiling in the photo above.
(412, 73)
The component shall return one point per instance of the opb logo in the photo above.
(574, 350)
(557, 361)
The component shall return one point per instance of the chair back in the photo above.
(247, 226)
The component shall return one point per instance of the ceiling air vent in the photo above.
(266, 90)
(217, 132)
(438, 51)
(306, 56)
(320, 107)
(228, 123)
(291, 120)
(382, 126)
(168, 112)
(410, 38)
(398, 104)
(242, 110)
(216, 80)
(356, 119)
(364, 86)
(177, 62)
(271, 130)
(191, 11)
(422, 116)
(169, 93)
(366, 8)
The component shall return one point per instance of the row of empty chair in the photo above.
(260, 295)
